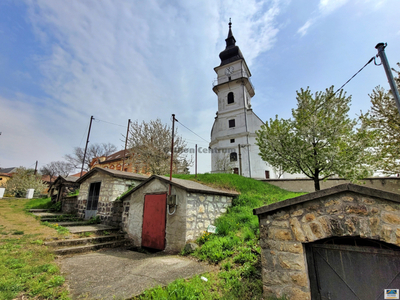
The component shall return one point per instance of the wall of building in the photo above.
(194, 213)
(109, 210)
(284, 232)
(69, 205)
(389, 184)
(202, 210)
(132, 219)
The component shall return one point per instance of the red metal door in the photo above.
(153, 229)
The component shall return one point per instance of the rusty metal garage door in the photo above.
(154, 213)
(352, 272)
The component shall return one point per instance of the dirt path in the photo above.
(120, 273)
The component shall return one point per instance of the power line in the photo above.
(191, 131)
(329, 98)
(110, 123)
(372, 58)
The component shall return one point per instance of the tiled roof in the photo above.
(7, 170)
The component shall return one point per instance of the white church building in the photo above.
(233, 135)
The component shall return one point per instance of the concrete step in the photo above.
(61, 218)
(72, 223)
(88, 240)
(96, 229)
(38, 210)
(47, 214)
(91, 247)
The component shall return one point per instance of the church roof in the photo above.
(231, 52)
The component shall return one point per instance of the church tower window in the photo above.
(231, 98)
(233, 156)
(231, 123)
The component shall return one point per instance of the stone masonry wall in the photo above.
(282, 234)
(109, 210)
(70, 205)
(202, 210)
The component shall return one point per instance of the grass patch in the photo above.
(27, 268)
(234, 248)
(42, 203)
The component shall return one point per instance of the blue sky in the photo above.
(63, 61)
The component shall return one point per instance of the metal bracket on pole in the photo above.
(381, 53)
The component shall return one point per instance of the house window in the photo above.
(233, 156)
(267, 174)
(232, 140)
(236, 171)
(231, 123)
(231, 99)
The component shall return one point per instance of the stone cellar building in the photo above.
(155, 220)
(99, 194)
(338, 243)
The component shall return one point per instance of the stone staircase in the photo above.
(91, 236)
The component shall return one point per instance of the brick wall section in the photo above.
(283, 233)
(109, 210)
(202, 210)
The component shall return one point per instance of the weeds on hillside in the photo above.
(234, 247)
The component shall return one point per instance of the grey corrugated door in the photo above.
(93, 200)
(350, 272)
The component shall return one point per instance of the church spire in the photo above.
(230, 40)
(231, 52)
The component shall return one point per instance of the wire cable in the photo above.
(372, 58)
(191, 131)
(330, 97)
(111, 123)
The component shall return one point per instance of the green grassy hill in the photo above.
(234, 249)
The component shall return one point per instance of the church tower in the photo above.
(233, 135)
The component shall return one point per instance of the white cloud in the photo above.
(328, 6)
(303, 30)
(135, 59)
(325, 7)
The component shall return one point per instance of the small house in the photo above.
(165, 214)
(60, 190)
(99, 193)
(338, 243)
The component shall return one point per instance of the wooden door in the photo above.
(154, 216)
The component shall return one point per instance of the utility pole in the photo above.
(381, 53)
(87, 142)
(240, 161)
(195, 162)
(126, 142)
(34, 173)
(172, 151)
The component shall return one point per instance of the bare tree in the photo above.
(93, 151)
(224, 165)
(57, 168)
(150, 147)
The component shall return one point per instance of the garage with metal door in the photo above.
(338, 243)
